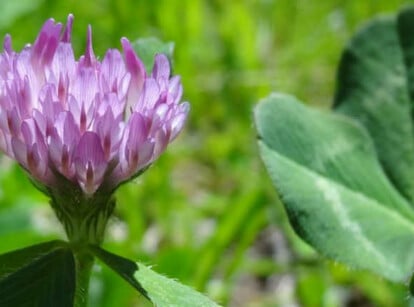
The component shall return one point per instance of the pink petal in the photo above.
(19, 151)
(161, 67)
(66, 37)
(133, 64)
(94, 122)
(7, 44)
(89, 149)
(89, 58)
(175, 89)
(46, 42)
(90, 162)
(137, 130)
(149, 96)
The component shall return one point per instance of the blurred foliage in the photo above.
(206, 213)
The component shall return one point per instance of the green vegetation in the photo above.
(206, 213)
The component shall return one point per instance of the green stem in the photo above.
(84, 218)
(84, 262)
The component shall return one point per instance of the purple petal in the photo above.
(63, 139)
(133, 64)
(4, 143)
(64, 65)
(55, 148)
(19, 151)
(89, 58)
(137, 71)
(24, 101)
(37, 162)
(161, 110)
(41, 122)
(83, 102)
(79, 116)
(48, 104)
(137, 149)
(161, 69)
(89, 149)
(90, 162)
(41, 39)
(46, 42)
(14, 122)
(71, 133)
(113, 66)
(137, 158)
(33, 135)
(85, 86)
(113, 74)
(66, 37)
(4, 126)
(145, 155)
(7, 44)
(177, 125)
(36, 159)
(149, 96)
(161, 141)
(49, 49)
(175, 89)
(137, 130)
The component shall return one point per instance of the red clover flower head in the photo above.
(96, 123)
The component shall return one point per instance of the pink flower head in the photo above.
(96, 123)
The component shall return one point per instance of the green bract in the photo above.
(347, 179)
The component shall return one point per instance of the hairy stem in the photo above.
(84, 218)
(84, 262)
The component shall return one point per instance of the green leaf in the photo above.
(338, 199)
(372, 88)
(161, 291)
(46, 281)
(405, 22)
(147, 48)
(12, 261)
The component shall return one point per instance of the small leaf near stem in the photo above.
(15, 260)
(43, 275)
(160, 290)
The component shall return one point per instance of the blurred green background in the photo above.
(206, 213)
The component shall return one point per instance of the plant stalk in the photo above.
(84, 262)
(84, 218)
